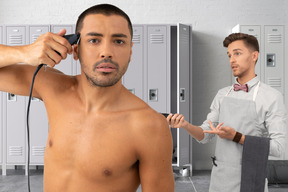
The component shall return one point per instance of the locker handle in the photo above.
(270, 60)
(182, 94)
(11, 97)
(153, 94)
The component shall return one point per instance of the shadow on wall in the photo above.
(211, 72)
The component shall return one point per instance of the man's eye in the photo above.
(93, 40)
(119, 41)
(237, 53)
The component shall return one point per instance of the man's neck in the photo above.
(99, 98)
(244, 79)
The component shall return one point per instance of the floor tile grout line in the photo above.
(193, 184)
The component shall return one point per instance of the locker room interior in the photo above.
(210, 22)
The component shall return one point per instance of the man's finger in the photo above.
(211, 125)
(62, 32)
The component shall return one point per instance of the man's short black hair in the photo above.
(105, 9)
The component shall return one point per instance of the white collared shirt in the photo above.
(270, 108)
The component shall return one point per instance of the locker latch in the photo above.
(182, 94)
(270, 60)
(11, 97)
(153, 94)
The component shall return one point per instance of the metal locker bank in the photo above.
(14, 110)
(160, 74)
(14, 143)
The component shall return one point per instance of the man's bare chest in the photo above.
(98, 147)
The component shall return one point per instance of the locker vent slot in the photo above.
(184, 38)
(35, 37)
(156, 38)
(274, 82)
(136, 38)
(38, 150)
(15, 151)
(15, 40)
(274, 38)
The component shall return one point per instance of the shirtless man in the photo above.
(101, 136)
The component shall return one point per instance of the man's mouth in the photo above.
(106, 67)
(234, 67)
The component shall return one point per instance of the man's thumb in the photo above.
(62, 32)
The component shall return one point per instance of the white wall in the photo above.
(212, 21)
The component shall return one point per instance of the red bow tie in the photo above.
(241, 87)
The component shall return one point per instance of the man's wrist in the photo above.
(237, 137)
(20, 55)
(185, 125)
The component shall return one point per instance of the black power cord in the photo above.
(27, 120)
(72, 39)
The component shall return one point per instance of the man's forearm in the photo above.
(195, 131)
(10, 55)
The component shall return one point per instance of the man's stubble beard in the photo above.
(103, 79)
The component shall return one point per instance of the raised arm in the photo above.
(15, 77)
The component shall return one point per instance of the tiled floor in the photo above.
(15, 181)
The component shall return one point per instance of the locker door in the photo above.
(38, 123)
(36, 31)
(158, 67)
(66, 66)
(133, 78)
(183, 91)
(274, 57)
(254, 30)
(16, 124)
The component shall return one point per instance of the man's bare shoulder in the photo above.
(150, 130)
(55, 81)
(142, 113)
(146, 120)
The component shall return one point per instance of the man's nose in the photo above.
(106, 51)
(232, 59)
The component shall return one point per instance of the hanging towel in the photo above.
(254, 163)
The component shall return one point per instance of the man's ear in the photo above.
(132, 43)
(75, 52)
(255, 56)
